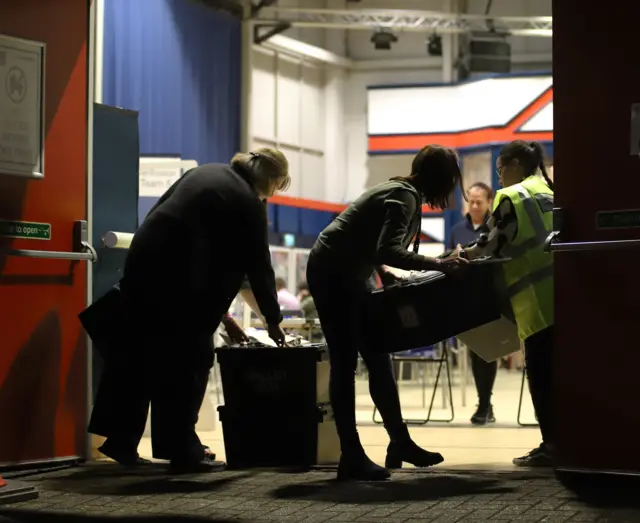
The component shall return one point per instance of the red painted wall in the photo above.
(42, 349)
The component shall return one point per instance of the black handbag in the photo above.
(103, 319)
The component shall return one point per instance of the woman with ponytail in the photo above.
(518, 228)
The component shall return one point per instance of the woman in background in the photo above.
(371, 234)
(480, 199)
(307, 304)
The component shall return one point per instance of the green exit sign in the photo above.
(25, 230)
(629, 219)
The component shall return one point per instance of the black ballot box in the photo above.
(276, 410)
(261, 375)
(431, 307)
(271, 437)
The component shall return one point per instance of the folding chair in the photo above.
(522, 424)
(427, 355)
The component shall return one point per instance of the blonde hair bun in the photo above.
(265, 165)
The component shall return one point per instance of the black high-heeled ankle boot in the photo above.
(402, 449)
(358, 467)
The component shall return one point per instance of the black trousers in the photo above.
(484, 376)
(338, 301)
(539, 361)
(169, 375)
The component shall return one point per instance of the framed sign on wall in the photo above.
(22, 91)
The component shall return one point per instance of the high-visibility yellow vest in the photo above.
(529, 273)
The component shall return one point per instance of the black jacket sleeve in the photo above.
(399, 208)
(259, 270)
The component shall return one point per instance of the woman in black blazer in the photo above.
(185, 265)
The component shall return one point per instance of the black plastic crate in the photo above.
(271, 438)
(282, 378)
(435, 308)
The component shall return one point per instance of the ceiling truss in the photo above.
(402, 20)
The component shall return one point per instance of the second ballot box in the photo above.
(431, 307)
(276, 410)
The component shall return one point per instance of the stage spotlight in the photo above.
(383, 39)
(434, 45)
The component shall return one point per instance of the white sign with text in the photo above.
(21, 107)
(158, 174)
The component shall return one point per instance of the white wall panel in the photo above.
(312, 173)
(288, 90)
(380, 168)
(263, 92)
(363, 171)
(312, 108)
(294, 156)
(477, 167)
(336, 146)
(288, 112)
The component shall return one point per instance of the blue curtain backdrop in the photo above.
(178, 64)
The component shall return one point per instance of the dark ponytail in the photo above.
(530, 156)
(539, 151)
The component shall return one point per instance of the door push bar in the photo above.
(117, 240)
(82, 249)
(553, 243)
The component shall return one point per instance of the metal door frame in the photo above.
(94, 77)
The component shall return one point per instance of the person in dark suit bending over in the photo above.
(185, 265)
(479, 198)
(373, 233)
